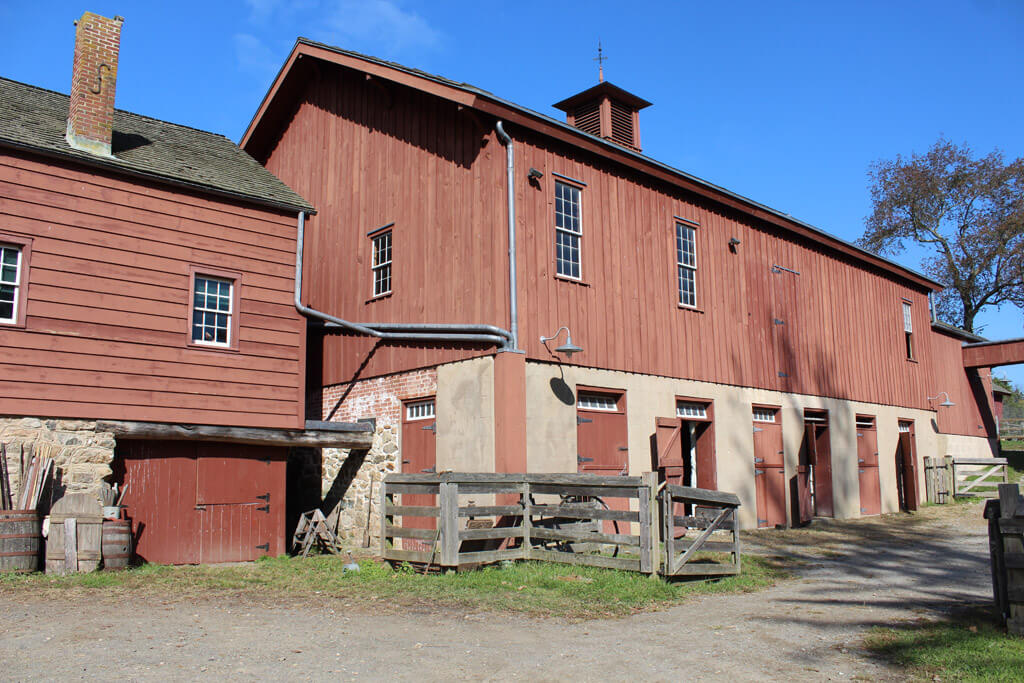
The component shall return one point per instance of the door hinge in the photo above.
(758, 429)
(265, 497)
(430, 470)
(623, 448)
(582, 420)
(758, 473)
(758, 459)
(762, 521)
(201, 508)
(263, 508)
(778, 322)
(859, 435)
(432, 427)
(860, 459)
(783, 374)
(265, 547)
(580, 458)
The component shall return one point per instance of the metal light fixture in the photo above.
(945, 404)
(733, 242)
(568, 348)
(535, 174)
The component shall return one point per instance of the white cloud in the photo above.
(390, 27)
(255, 57)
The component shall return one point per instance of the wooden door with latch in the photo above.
(906, 466)
(769, 467)
(240, 498)
(419, 456)
(803, 502)
(867, 466)
(601, 441)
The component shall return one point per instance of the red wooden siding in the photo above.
(969, 389)
(108, 306)
(371, 153)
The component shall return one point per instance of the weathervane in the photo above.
(600, 59)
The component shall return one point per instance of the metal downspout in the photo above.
(402, 331)
(513, 304)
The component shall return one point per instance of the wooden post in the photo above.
(650, 480)
(929, 479)
(667, 513)
(1011, 513)
(644, 508)
(385, 499)
(527, 522)
(448, 496)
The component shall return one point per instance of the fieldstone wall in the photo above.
(351, 479)
(81, 455)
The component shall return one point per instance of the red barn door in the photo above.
(867, 466)
(769, 468)
(419, 456)
(601, 440)
(906, 466)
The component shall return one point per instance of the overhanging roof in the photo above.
(278, 102)
(992, 354)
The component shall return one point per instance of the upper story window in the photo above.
(908, 330)
(381, 264)
(686, 264)
(10, 282)
(568, 230)
(213, 311)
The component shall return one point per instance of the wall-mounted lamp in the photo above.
(568, 348)
(733, 243)
(535, 174)
(945, 404)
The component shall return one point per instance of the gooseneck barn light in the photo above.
(568, 348)
(945, 404)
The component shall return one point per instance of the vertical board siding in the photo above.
(366, 158)
(108, 311)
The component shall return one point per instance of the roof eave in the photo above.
(99, 162)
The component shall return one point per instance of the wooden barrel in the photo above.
(117, 544)
(21, 538)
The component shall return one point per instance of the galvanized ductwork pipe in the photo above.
(510, 165)
(470, 334)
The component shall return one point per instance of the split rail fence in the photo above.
(963, 477)
(600, 521)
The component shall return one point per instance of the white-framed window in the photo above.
(212, 311)
(381, 264)
(764, 414)
(865, 422)
(908, 329)
(420, 410)
(10, 282)
(689, 409)
(595, 401)
(686, 264)
(568, 230)
(904, 427)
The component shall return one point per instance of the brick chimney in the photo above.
(93, 82)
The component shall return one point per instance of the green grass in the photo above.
(1013, 451)
(969, 648)
(535, 588)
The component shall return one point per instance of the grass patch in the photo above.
(534, 588)
(1013, 451)
(970, 648)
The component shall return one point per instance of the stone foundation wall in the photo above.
(351, 479)
(81, 455)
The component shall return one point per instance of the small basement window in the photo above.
(420, 410)
(908, 330)
(764, 414)
(568, 230)
(865, 422)
(213, 311)
(594, 401)
(686, 409)
(381, 265)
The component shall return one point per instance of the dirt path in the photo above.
(856, 575)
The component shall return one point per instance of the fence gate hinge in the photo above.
(265, 497)
(263, 508)
(265, 547)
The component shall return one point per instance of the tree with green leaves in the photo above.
(967, 212)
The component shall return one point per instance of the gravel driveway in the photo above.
(852, 576)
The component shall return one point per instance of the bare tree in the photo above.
(967, 212)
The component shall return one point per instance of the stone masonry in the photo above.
(351, 480)
(81, 455)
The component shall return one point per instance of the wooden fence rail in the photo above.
(580, 519)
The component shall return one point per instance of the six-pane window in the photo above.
(211, 311)
(567, 230)
(382, 263)
(908, 330)
(10, 282)
(686, 264)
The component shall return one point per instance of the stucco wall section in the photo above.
(465, 416)
(81, 455)
(551, 424)
(350, 484)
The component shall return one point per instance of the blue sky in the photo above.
(784, 102)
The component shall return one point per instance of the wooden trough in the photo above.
(598, 521)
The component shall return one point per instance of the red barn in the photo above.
(461, 239)
(147, 313)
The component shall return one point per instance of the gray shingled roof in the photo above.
(36, 119)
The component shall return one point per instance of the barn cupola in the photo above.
(608, 112)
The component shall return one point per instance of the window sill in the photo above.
(572, 280)
(692, 309)
(15, 324)
(210, 347)
(378, 297)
